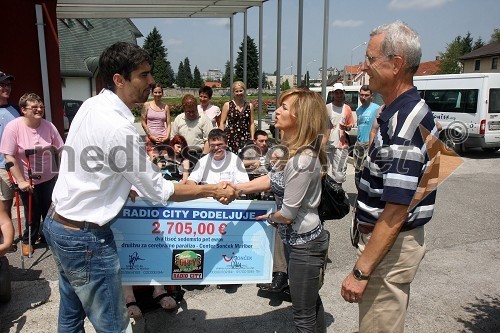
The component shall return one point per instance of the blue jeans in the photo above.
(306, 265)
(89, 277)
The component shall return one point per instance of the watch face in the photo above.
(357, 273)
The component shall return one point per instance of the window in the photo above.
(494, 63)
(477, 64)
(494, 102)
(463, 100)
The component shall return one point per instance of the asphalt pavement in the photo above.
(455, 290)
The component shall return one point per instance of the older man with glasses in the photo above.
(391, 223)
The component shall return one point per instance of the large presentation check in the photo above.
(194, 242)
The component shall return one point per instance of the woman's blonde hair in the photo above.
(239, 84)
(310, 111)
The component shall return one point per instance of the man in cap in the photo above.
(341, 120)
(8, 112)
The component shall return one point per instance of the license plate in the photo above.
(494, 127)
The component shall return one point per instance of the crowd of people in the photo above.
(208, 152)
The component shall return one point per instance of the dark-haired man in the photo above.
(219, 165)
(366, 114)
(104, 157)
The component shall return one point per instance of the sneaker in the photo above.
(279, 283)
(27, 250)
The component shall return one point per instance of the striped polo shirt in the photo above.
(397, 161)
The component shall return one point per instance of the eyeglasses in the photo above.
(35, 107)
(371, 60)
(220, 145)
(5, 84)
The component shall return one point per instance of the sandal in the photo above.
(166, 301)
(133, 310)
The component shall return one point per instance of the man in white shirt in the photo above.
(341, 119)
(219, 165)
(192, 125)
(103, 157)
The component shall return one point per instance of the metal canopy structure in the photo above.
(153, 8)
(201, 9)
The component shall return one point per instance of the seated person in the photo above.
(192, 125)
(6, 240)
(255, 157)
(219, 164)
(176, 164)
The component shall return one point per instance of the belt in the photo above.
(73, 223)
(368, 228)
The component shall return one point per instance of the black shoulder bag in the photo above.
(334, 203)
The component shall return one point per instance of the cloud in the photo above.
(219, 22)
(173, 42)
(347, 23)
(417, 4)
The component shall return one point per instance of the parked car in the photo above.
(71, 107)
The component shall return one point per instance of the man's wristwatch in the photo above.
(358, 274)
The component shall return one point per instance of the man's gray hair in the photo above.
(401, 40)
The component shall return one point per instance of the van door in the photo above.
(492, 126)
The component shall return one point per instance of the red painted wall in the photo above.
(19, 52)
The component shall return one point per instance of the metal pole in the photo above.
(231, 52)
(245, 24)
(261, 34)
(325, 49)
(299, 43)
(278, 53)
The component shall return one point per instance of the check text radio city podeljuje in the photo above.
(194, 214)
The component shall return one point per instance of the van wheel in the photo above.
(490, 150)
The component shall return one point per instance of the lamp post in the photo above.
(354, 48)
(307, 71)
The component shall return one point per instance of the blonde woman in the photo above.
(238, 114)
(302, 119)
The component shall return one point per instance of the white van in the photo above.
(467, 106)
(351, 99)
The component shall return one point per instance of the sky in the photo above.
(206, 41)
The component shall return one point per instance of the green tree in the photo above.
(227, 76)
(264, 80)
(450, 63)
(252, 64)
(181, 76)
(478, 44)
(306, 79)
(162, 70)
(285, 85)
(495, 36)
(197, 81)
(188, 76)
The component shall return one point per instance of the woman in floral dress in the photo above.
(237, 119)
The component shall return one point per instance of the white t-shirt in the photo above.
(210, 171)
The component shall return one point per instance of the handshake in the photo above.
(226, 192)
